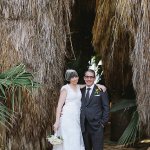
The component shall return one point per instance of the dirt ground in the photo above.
(108, 145)
(115, 147)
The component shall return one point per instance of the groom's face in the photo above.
(89, 78)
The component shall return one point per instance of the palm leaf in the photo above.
(123, 104)
(13, 99)
(12, 71)
(130, 134)
(11, 81)
(3, 91)
(19, 98)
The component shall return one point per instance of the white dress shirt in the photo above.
(91, 89)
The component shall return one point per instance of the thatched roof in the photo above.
(35, 33)
(121, 35)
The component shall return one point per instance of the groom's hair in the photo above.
(90, 70)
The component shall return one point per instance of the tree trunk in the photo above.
(2, 137)
(35, 32)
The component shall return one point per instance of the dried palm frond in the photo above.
(35, 32)
(135, 17)
(6, 116)
(121, 35)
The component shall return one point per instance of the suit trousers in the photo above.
(93, 140)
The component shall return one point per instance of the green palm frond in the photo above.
(17, 76)
(12, 72)
(130, 134)
(123, 104)
(3, 95)
(12, 82)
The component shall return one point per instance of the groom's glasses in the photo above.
(90, 77)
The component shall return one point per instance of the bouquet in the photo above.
(54, 139)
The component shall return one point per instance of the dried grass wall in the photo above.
(35, 32)
(121, 35)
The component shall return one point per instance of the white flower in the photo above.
(54, 140)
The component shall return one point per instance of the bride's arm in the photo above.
(101, 87)
(61, 102)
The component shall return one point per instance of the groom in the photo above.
(94, 113)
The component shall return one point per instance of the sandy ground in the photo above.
(114, 147)
(108, 145)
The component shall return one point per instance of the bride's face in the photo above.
(74, 80)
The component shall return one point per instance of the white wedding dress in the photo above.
(69, 127)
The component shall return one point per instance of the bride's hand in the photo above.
(101, 87)
(56, 126)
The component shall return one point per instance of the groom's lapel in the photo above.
(92, 95)
(83, 95)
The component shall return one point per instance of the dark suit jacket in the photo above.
(96, 111)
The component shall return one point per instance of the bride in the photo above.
(67, 124)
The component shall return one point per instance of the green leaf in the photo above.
(26, 75)
(130, 134)
(13, 99)
(13, 71)
(14, 79)
(123, 104)
(22, 81)
(19, 98)
(3, 91)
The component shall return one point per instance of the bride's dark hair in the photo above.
(70, 73)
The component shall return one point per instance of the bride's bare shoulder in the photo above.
(64, 87)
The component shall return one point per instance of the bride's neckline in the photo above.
(73, 89)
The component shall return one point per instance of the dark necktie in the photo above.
(87, 97)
